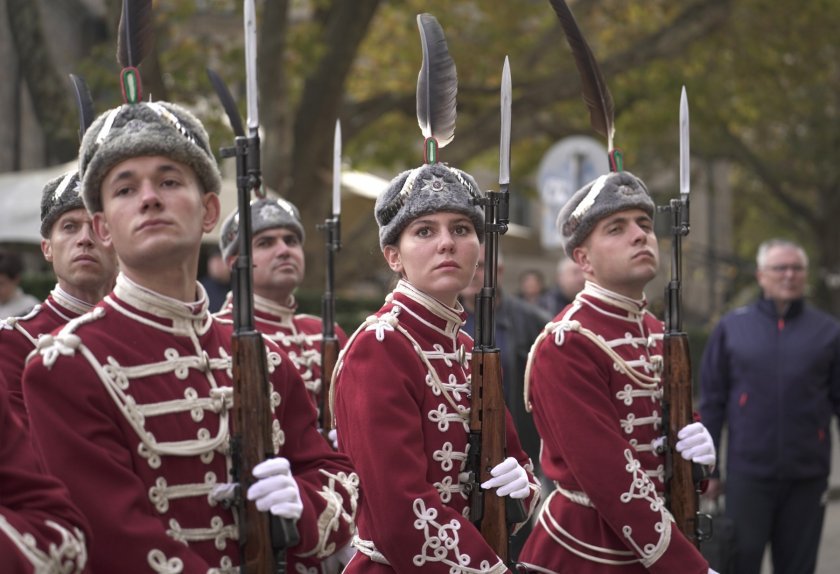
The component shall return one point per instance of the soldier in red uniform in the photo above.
(593, 382)
(279, 267)
(130, 403)
(402, 389)
(84, 268)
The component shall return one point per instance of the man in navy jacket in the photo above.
(771, 373)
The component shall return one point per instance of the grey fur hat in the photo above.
(60, 195)
(266, 213)
(144, 129)
(427, 189)
(608, 194)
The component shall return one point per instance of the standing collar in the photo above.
(69, 302)
(162, 306)
(593, 293)
(284, 314)
(440, 316)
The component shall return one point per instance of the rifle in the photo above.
(682, 477)
(492, 515)
(332, 243)
(263, 538)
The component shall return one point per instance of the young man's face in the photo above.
(79, 258)
(621, 254)
(154, 212)
(278, 263)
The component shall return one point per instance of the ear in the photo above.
(101, 229)
(46, 249)
(392, 256)
(580, 255)
(212, 208)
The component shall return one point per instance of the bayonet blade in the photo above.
(504, 142)
(337, 170)
(685, 156)
(251, 66)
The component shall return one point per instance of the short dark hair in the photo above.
(11, 264)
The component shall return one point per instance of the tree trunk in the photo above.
(47, 88)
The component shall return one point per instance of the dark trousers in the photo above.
(787, 514)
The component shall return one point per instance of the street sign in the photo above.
(565, 168)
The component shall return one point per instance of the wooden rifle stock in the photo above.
(329, 357)
(681, 492)
(251, 443)
(493, 514)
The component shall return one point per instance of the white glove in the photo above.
(695, 444)
(333, 436)
(509, 479)
(276, 490)
(712, 571)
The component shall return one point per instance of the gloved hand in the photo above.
(333, 436)
(712, 571)
(276, 490)
(509, 479)
(695, 444)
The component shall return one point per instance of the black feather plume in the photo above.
(84, 103)
(136, 32)
(228, 103)
(596, 94)
(437, 83)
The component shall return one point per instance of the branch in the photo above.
(740, 152)
(346, 26)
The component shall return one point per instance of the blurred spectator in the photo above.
(532, 287)
(216, 281)
(13, 301)
(771, 375)
(569, 282)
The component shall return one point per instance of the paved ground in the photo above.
(829, 560)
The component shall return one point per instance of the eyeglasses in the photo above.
(792, 267)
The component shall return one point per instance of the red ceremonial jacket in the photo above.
(402, 400)
(594, 386)
(18, 336)
(130, 405)
(299, 335)
(40, 529)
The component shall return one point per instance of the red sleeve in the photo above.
(328, 484)
(15, 347)
(40, 529)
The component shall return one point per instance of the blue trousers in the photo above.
(787, 514)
